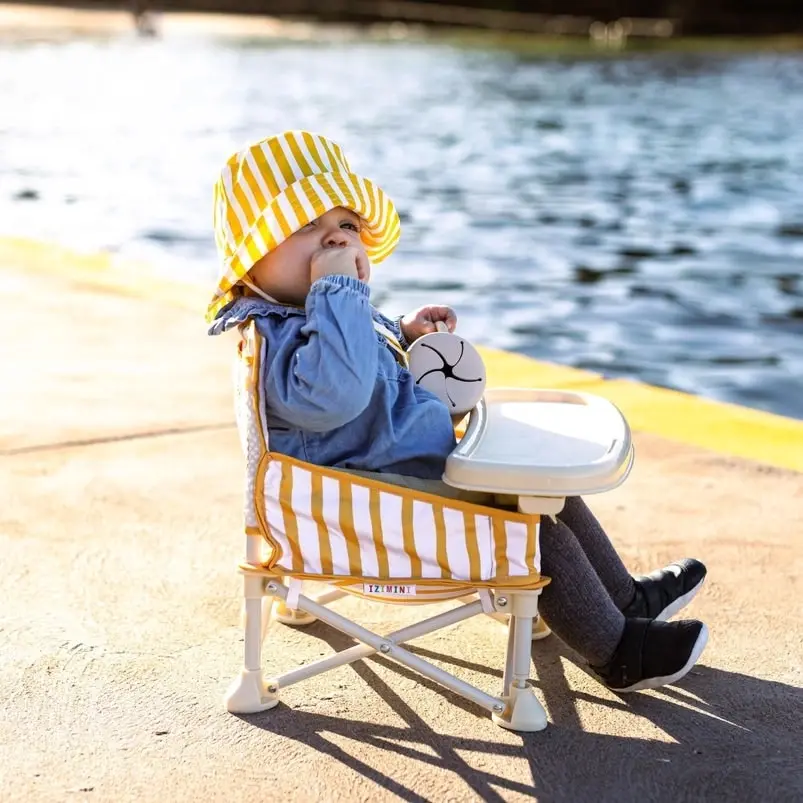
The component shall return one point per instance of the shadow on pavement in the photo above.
(730, 736)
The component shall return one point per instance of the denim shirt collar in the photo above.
(244, 308)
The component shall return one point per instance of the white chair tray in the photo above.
(542, 442)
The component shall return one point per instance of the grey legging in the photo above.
(590, 585)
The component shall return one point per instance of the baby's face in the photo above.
(284, 273)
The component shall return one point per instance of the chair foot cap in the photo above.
(248, 694)
(540, 629)
(287, 616)
(524, 712)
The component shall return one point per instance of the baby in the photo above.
(298, 233)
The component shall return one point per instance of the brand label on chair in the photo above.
(389, 590)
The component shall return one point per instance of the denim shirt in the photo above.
(336, 395)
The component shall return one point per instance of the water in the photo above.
(639, 217)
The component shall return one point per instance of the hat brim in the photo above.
(300, 203)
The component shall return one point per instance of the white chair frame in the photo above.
(516, 708)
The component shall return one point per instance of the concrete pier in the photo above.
(120, 529)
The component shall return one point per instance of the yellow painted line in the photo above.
(726, 428)
(720, 427)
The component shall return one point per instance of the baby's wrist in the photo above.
(404, 340)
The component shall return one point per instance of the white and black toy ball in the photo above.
(450, 367)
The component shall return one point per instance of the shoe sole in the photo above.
(654, 683)
(680, 603)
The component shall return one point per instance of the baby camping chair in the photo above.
(387, 544)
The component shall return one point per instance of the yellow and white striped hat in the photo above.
(271, 189)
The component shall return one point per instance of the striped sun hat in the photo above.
(271, 189)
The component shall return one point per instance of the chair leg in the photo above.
(268, 614)
(288, 616)
(524, 712)
(507, 678)
(540, 627)
(297, 618)
(248, 693)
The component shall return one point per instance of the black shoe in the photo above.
(652, 654)
(663, 593)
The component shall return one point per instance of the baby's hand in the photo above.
(424, 320)
(346, 261)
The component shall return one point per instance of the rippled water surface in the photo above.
(640, 217)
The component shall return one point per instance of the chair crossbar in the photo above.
(359, 651)
(389, 646)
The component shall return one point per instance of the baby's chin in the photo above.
(295, 300)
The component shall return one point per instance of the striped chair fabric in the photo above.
(328, 525)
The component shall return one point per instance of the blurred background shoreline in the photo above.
(627, 205)
(574, 27)
(578, 18)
